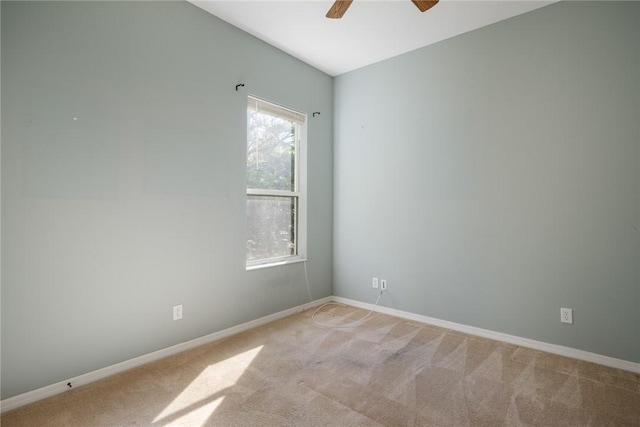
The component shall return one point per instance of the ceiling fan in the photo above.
(340, 7)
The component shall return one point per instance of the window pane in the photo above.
(271, 143)
(271, 227)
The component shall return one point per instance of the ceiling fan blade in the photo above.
(338, 9)
(424, 5)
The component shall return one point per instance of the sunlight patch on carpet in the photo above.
(199, 400)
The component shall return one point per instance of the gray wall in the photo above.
(495, 177)
(139, 204)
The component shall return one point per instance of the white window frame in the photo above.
(300, 190)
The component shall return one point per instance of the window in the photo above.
(276, 202)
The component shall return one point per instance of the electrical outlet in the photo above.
(383, 284)
(566, 315)
(177, 312)
(374, 283)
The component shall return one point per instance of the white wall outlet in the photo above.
(374, 283)
(383, 284)
(566, 315)
(177, 312)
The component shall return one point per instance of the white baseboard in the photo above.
(62, 386)
(499, 336)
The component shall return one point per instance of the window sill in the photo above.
(275, 263)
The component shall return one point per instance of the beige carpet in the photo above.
(388, 371)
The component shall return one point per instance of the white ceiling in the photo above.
(370, 31)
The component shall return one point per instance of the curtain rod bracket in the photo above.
(316, 113)
(240, 85)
